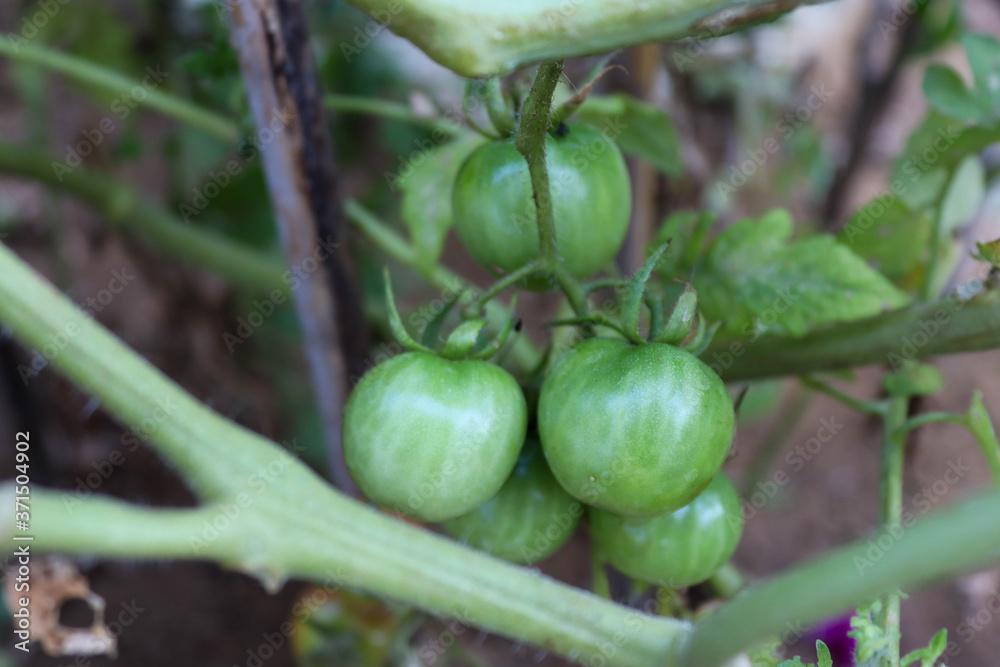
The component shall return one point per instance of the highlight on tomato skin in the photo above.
(494, 210)
(680, 548)
(638, 430)
(433, 438)
(530, 518)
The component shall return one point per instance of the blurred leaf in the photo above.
(753, 279)
(963, 197)
(940, 23)
(638, 128)
(687, 231)
(983, 52)
(988, 252)
(934, 149)
(892, 237)
(426, 205)
(946, 93)
(914, 379)
(928, 657)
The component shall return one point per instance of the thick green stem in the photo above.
(891, 509)
(273, 517)
(133, 212)
(145, 91)
(839, 581)
(959, 326)
(533, 128)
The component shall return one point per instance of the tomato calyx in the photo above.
(685, 319)
(466, 340)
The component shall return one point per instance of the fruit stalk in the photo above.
(891, 510)
(530, 142)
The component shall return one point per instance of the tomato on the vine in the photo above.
(433, 438)
(638, 430)
(495, 214)
(528, 520)
(676, 549)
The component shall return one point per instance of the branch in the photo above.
(93, 75)
(478, 40)
(132, 211)
(281, 84)
(948, 326)
(958, 539)
(272, 517)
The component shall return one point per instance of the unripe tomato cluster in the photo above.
(637, 433)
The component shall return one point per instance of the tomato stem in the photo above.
(891, 510)
(532, 130)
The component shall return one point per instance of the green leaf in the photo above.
(934, 149)
(946, 93)
(686, 231)
(964, 195)
(983, 52)
(914, 379)
(928, 657)
(892, 237)
(753, 279)
(823, 655)
(638, 128)
(426, 204)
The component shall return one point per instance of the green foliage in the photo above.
(914, 379)
(639, 129)
(753, 278)
(947, 93)
(426, 202)
(892, 237)
(928, 656)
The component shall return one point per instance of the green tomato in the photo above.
(591, 201)
(528, 520)
(432, 438)
(676, 549)
(638, 430)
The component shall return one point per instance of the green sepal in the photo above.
(500, 113)
(489, 349)
(463, 339)
(431, 332)
(633, 296)
(395, 322)
(596, 319)
(703, 338)
(681, 318)
(914, 379)
(655, 307)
